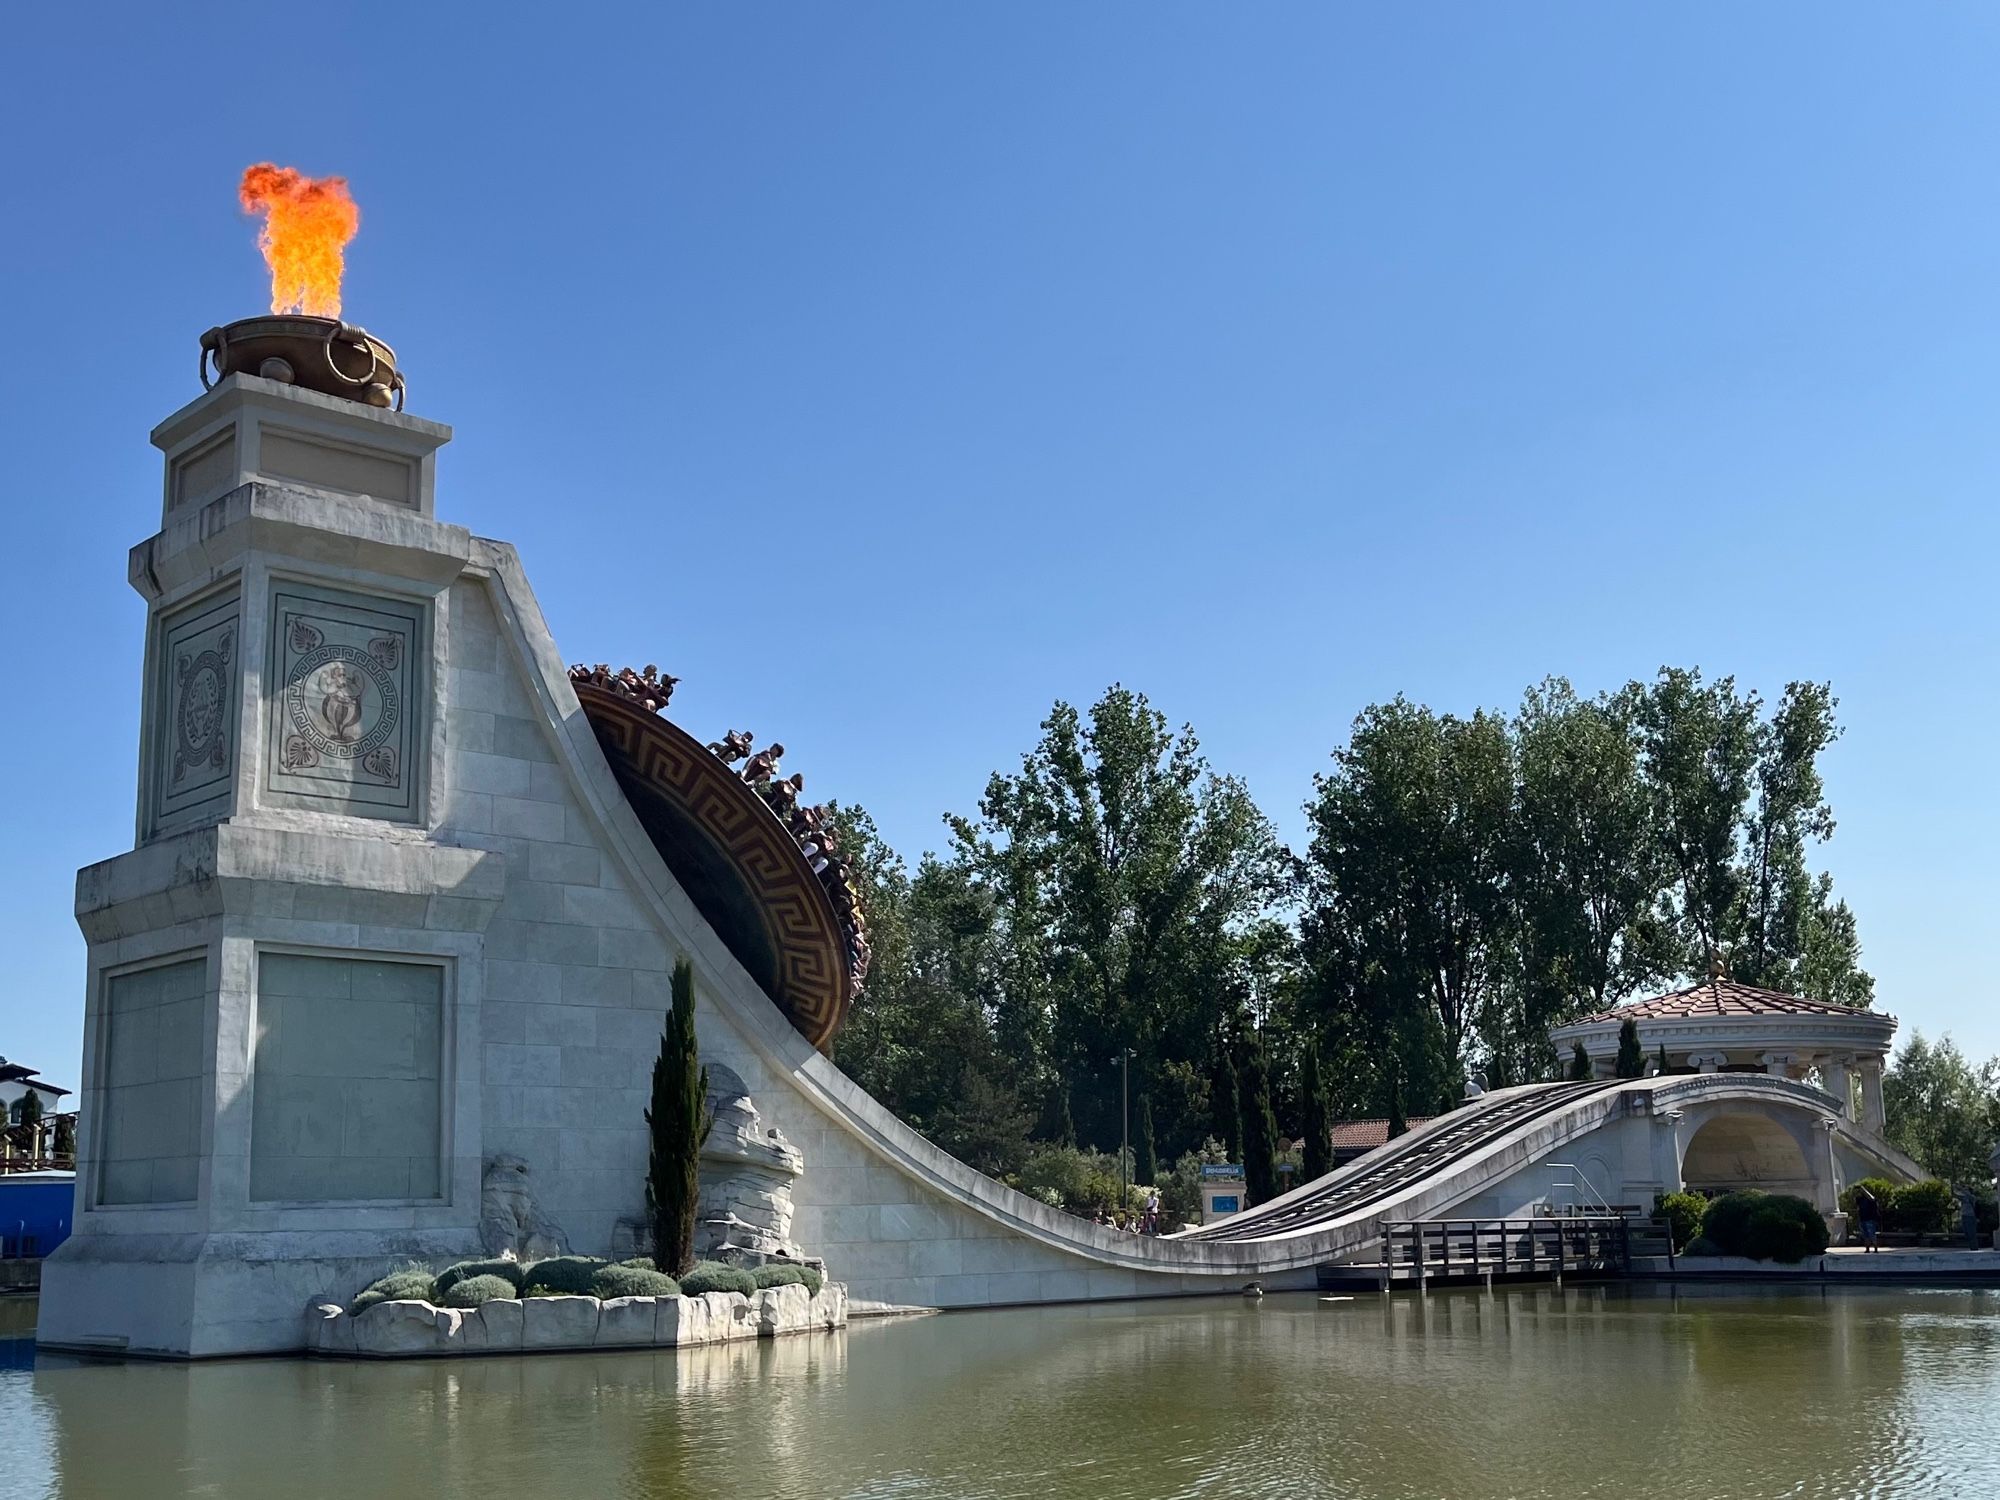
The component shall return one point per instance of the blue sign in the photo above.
(1225, 1203)
(1227, 1172)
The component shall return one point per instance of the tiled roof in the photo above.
(1717, 1000)
(1366, 1135)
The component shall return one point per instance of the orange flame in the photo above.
(307, 224)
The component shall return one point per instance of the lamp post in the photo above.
(1125, 1055)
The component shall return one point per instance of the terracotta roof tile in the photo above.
(1714, 1000)
(1368, 1134)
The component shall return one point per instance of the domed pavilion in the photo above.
(1721, 1026)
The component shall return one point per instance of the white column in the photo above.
(1833, 1078)
(1708, 1062)
(1777, 1064)
(1871, 1094)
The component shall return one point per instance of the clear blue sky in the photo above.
(890, 371)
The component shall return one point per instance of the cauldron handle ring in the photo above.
(215, 342)
(340, 374)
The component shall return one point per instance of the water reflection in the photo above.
(1541, 1392)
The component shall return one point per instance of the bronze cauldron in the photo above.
(321, 354)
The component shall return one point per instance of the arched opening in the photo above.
(1747, 1150)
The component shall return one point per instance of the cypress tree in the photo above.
(1661, 1061)
(1579, 1064)
(679, 1121)
(31, 1109)
(1317, 1152)
(1145, 1165)
(1631, 1057)
(1228, 1114)
(1397, 1124)
(1260, 1126)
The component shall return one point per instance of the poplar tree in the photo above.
(679, 1121)
(1579, 1064)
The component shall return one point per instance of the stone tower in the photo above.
(275, 968)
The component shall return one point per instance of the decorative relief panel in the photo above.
(345, 702)
(195, 747)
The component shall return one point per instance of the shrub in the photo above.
(632, 1281)
(1701, 1244)
(562, 1275)
(804, 1276)
(1755, 1224)
(470, 1291)
(1682, 1214)
(508, 1271)
(412, 1283)
(1928, 1207)
(714, 1276)
(1779, 1232)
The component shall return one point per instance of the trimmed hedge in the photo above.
(1701, 1244)
(412, 1284)
(508, 1271)
(632, 1281)
(470, 1291)
(804, 1276)
(714, 1276)
(1776, 1233)
(1764, 1226)
(563, 1275)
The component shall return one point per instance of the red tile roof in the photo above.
(1366, 1135)
(1714, 1000)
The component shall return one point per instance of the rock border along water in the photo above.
(407, 1329)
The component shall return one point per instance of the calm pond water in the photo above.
(1578, 1392)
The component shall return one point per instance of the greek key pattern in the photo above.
(650, 754)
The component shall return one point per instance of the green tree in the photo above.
(1133, 883)
(31, 1112)
(1631, 1061)
(1317, 1151)
(1942, 1109)
(1579, 1064)
(1660, 1061)
(1587, 867)
(1739, 800)
(1700, 745)
(1145, 1165)
(678, 1120)
(1406, 873)
(1227, 1125)
(1260, 1127)
(1397, 1124)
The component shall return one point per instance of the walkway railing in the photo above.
(1419, 1252)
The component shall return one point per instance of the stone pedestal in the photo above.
(746, 1180)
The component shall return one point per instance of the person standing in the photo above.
(1867, 1214)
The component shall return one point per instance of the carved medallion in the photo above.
(342, 703)
(201, 707)
(342, 730)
